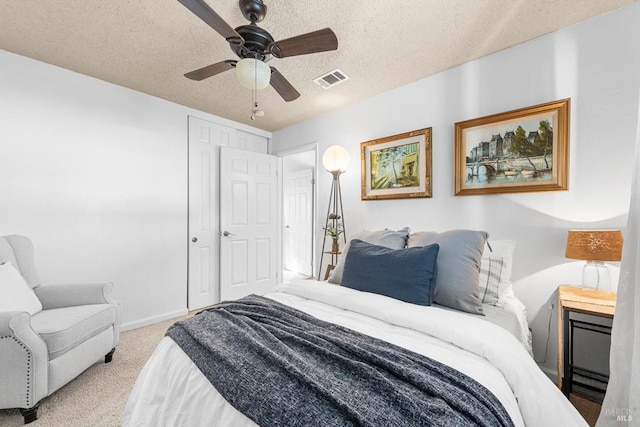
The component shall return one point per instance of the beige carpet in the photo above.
(98, 396)
(588, 409)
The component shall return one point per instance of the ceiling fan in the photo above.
(256, 44)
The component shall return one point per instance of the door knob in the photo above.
(227, 234)
(195, 239)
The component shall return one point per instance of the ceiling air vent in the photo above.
(331, 79)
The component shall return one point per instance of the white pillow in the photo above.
(491, 269)
(501, 249)
(16, 294)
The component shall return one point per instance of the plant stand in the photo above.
(335, 219)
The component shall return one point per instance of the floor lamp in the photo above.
(335, 160)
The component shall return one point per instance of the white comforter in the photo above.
(171, 391)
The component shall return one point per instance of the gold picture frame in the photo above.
(397, 167)
(514, 152)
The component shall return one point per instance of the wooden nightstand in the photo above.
(578, 300)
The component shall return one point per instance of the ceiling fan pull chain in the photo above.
(254, 92)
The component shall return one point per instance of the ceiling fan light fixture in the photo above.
(253, 73)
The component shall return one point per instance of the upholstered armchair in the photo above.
(41, 352)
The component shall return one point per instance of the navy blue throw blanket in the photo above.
(282, 367)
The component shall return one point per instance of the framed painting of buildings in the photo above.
(518, 151)
(397, 166)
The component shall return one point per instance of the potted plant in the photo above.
(334, 229)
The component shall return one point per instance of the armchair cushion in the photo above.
(16, 294)
(58, 296)
(65, 328)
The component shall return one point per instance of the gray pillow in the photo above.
(457, 282)
(387, 238)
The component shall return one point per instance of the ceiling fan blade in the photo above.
(316, 41)
(209, 16)
(283, 87)
(211, 70)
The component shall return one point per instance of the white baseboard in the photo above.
(151, 320)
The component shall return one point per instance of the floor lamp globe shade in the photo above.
(253, 73)
(335, 158)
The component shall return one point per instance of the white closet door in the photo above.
(205, 138)
(248, 222)
(250, 142)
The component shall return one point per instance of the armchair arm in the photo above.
(57, 296)
(24, 362)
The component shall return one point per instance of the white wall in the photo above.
(96, 175)
(595, 63)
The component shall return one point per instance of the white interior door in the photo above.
(205, 138)
(248, 223)
(298, 221)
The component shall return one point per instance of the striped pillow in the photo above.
(491, 270)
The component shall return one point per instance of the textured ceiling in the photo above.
(148, 45)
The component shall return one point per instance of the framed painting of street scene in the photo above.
(397, 166)
(518, 151)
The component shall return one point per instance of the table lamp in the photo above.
(595, 247)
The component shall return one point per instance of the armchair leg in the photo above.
(109, 356)
(30, 414)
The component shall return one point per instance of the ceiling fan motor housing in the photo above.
(256, 42)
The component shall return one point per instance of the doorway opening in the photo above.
(298, 209)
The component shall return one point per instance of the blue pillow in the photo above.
(405, 274)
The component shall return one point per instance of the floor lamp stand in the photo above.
(334, 222)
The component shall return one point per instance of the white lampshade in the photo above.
(335, 158)
(253, 73)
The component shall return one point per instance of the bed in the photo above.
(490, 350)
